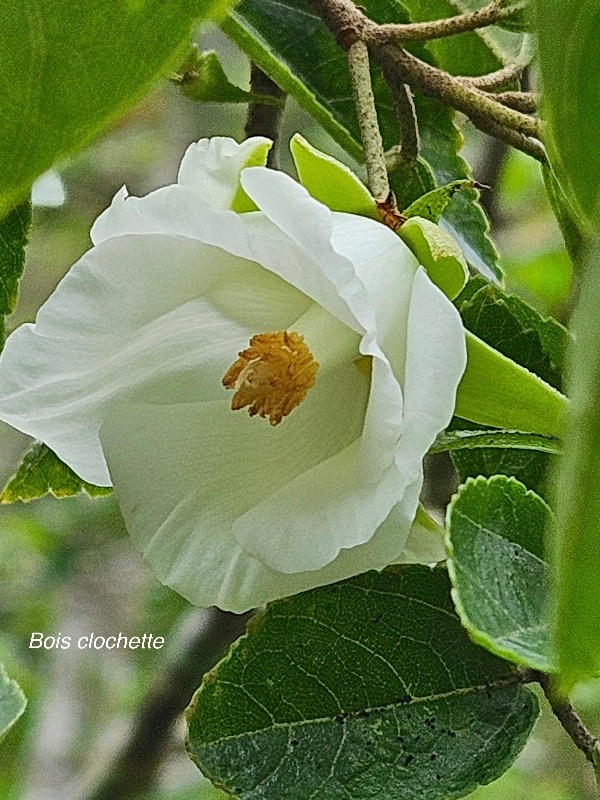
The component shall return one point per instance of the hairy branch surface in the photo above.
(507, 116)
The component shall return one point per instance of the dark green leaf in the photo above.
(14, 231)
(270, 31)
(369, 688)
(569, 56)
(41, 472)
(12, 702)
(68, 69)
(496, 563)
(452, 440)
(410, 181)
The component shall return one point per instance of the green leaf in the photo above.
(202, 79)
(41, 472)
(576, 542)
(269, 32)
(12, 702)
(68, 69)
(495, 539)
(569, 221)
(569, 57)
(437, 251)
(369, 688)
(14, 232)
(330, 181)
(432, 205)
(453, 440)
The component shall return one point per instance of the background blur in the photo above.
(68, 567)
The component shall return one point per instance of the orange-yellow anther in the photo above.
(272, 376)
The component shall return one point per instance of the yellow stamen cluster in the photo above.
(272, 376)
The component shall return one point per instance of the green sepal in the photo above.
(432, 205)
(331, 182)
(437, 251)
(41, 472)
(241, 203)
(202, 78)
(497, 391)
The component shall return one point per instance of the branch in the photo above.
(520, 101)
(455, 93)
(360, 76)
(407, 116)
(134, 767)
(532, 147)
(437, 29)
(349, 26)
(263, 119)
(570, 720)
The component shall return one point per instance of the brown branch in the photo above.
(569, 719)
(519, 101)
(348, 24)
(360, 76)
(407, 117)
(532, 147)
(436, 83)
(491, 14)
(263, 119)
(133, 769)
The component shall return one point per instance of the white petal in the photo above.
(212, 166)
(160, 315)
(436, 359)
(209, 176)
(179, 514)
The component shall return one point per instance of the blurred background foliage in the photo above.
(67, 567)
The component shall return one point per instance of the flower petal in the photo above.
(179, 515)
(160, 315)
(212, 167)
(209, 176)
(436, 359)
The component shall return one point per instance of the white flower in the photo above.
(122, 377)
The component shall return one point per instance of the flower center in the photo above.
(272, 376)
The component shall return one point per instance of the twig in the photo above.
(494, 80)
(507, 75)
(133, 769)
(262, 119)
(437, 29)
(436, 83)
(569, 719)
(360, 76)
(349, 26)
(407, 117)
(532, 147)
(520, 101)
